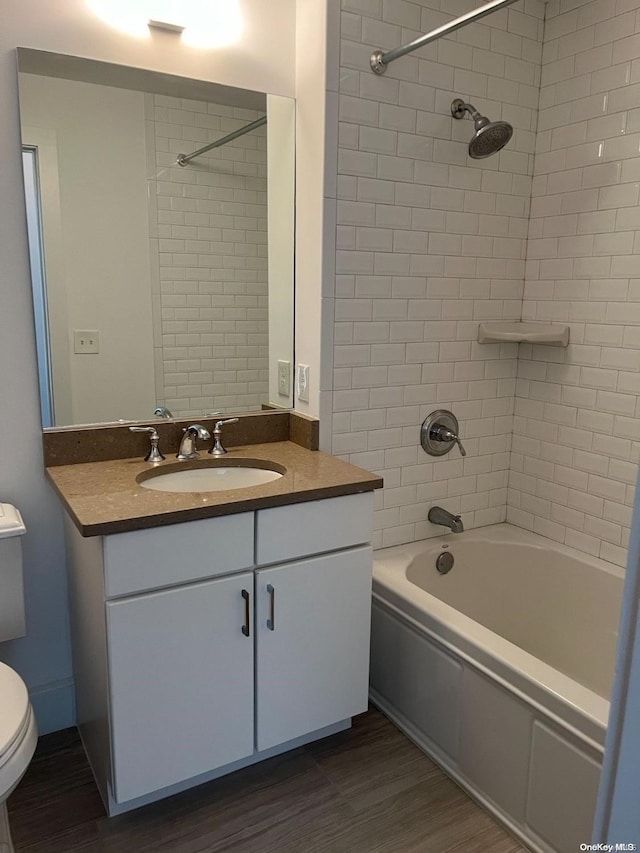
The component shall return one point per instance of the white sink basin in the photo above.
(216, 478)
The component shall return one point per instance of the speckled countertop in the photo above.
(106, 497)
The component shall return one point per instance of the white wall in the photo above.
(66, 26)
(103, 281)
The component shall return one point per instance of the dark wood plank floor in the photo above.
(365, 790)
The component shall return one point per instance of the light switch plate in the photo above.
(85, 342)
(303, 382)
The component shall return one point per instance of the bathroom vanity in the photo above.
(208, 644)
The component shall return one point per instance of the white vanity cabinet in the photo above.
(181, 683)
(204, 646)
(312, 644)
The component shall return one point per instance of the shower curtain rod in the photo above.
(380, 60)
(183, 159)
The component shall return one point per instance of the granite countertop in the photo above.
(105, 497)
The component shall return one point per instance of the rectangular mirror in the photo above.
(157, 286)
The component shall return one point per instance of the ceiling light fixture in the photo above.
(164, 25)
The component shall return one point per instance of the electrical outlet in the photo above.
(303, 382)
(284, 378)
(85, 342)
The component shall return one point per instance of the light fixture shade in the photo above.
(203, 23)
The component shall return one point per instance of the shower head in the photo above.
(489, 136)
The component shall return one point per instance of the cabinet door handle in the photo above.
(271, 622)
(246, 626)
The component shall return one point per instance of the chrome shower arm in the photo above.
(459, 108)
(380, 60)
(183, 159)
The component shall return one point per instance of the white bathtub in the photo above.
(501, 671)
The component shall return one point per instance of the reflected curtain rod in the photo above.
(183, 159)
(380, 60)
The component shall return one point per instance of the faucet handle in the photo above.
(217, 449)
(154, 454)
(219, 424)
(441, 433)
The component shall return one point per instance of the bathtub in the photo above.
(501, 671)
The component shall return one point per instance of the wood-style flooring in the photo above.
(365, 790)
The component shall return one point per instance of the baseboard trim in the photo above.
(54, 705)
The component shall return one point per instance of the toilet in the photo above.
(18, 737)
(18, 729)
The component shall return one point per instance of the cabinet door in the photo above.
(312, 623)
(181, 683)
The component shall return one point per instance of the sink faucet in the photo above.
(189, 439)
(438, 515)
(163, 412)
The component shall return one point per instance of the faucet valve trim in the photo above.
(439, 433)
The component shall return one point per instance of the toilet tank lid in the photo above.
(11, 523)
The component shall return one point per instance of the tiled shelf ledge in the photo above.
(518, 332)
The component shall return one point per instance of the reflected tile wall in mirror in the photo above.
(165, 268)
(210, 218)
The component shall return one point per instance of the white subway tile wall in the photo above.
(429, 243)
(576, 431)
(208, 226)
